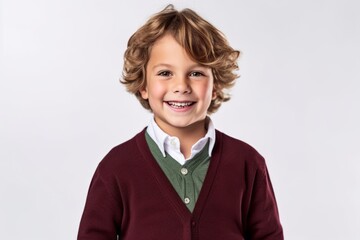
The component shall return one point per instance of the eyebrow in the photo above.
(162, 65)
(169, 65)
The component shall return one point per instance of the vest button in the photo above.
(184, 171)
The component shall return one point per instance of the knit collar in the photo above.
(171, 145)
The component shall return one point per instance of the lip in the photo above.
(180, 106)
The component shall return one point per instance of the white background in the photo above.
(62, 107)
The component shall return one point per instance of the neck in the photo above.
(189, 135)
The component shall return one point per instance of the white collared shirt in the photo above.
(171, 145)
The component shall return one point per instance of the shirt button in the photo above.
(173, 142)
(184, 171)
(186, 200)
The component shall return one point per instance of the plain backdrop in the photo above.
(62, 107)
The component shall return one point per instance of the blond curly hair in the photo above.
(201, 40)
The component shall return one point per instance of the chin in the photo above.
(183, 124)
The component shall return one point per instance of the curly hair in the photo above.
(201, 40)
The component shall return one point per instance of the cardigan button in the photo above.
(193, 223)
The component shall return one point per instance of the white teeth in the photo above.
(179, 104)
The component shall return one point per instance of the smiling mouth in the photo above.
(179, 105)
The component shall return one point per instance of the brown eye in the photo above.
(196, 74)
(164, 73)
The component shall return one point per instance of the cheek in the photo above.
(156, 91)
(207, 91)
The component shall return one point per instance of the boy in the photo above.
(180, 178)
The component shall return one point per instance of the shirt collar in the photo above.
(161, 138)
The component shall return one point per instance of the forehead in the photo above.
(166, 50)
(167, 45)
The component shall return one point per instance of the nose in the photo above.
(181, 85)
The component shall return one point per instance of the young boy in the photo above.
(180, 178)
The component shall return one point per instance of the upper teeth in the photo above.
(180, 104)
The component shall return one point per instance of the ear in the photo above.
(214, 95)
(144, 93)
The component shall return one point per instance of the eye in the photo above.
(164, 73)
(196, 74)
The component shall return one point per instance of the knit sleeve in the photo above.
(102, 214)
(263, 221)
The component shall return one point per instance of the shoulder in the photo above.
(122, 155)
(233, 147)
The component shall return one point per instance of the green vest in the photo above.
(186, 179)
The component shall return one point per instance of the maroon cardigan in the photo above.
(131, 197)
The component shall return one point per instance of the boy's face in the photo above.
(178, 89)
